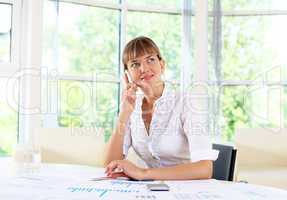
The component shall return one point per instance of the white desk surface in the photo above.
(72, 182)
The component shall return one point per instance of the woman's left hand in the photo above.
(127, 168)
(145, 87)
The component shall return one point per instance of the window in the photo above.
(81, 47)
(246, 44)
(5, 31)
(251, 45)
(157, 26)
(8, 116)
(8, 86)
(86, 34)
(82, 56)
(285, 106)
(156, 3)
(250, 74)
(81, 65)
(247, 5)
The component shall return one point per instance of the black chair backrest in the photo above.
(223, 167)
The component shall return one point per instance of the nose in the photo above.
(144, 67)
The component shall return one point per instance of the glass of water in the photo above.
(27, 159)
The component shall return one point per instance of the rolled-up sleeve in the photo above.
(200, 148)
(127, 139)
(195, 128)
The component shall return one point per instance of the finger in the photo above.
(131, 97)
(141, 83)
(111, 166)
(117, 170)
(116, 175)
(133, 87)
(126, 83)
(131, 92)
(108, 166)
(128, 86)
(107, 170)
(145, 86)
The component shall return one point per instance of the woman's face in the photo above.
(147, 68)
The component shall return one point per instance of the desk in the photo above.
(72, 182)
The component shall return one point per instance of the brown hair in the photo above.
(138, 47)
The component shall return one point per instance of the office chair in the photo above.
(223, 167)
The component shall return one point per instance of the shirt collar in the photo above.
(167, 91)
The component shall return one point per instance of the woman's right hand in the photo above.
(128, 99)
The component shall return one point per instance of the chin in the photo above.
(156, 82)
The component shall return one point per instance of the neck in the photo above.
(157, 91)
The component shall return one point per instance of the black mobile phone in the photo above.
(158, 187)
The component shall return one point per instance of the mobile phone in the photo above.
(130, 81)
(129, 77)
(158, 187)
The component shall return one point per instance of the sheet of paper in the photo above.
(60, 183)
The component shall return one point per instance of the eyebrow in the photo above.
(135, 60)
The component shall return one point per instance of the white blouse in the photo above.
(173, 137)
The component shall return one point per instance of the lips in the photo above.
(147, 77)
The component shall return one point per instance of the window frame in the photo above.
(8, 68)
(201, 53)
(30, 67)
(50, 120)
(241, 13)
(228, 83)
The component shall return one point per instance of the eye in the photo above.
(135, 65)
(151, 60)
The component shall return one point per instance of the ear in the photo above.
(162, 64)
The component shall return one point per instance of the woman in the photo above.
(157, 123)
